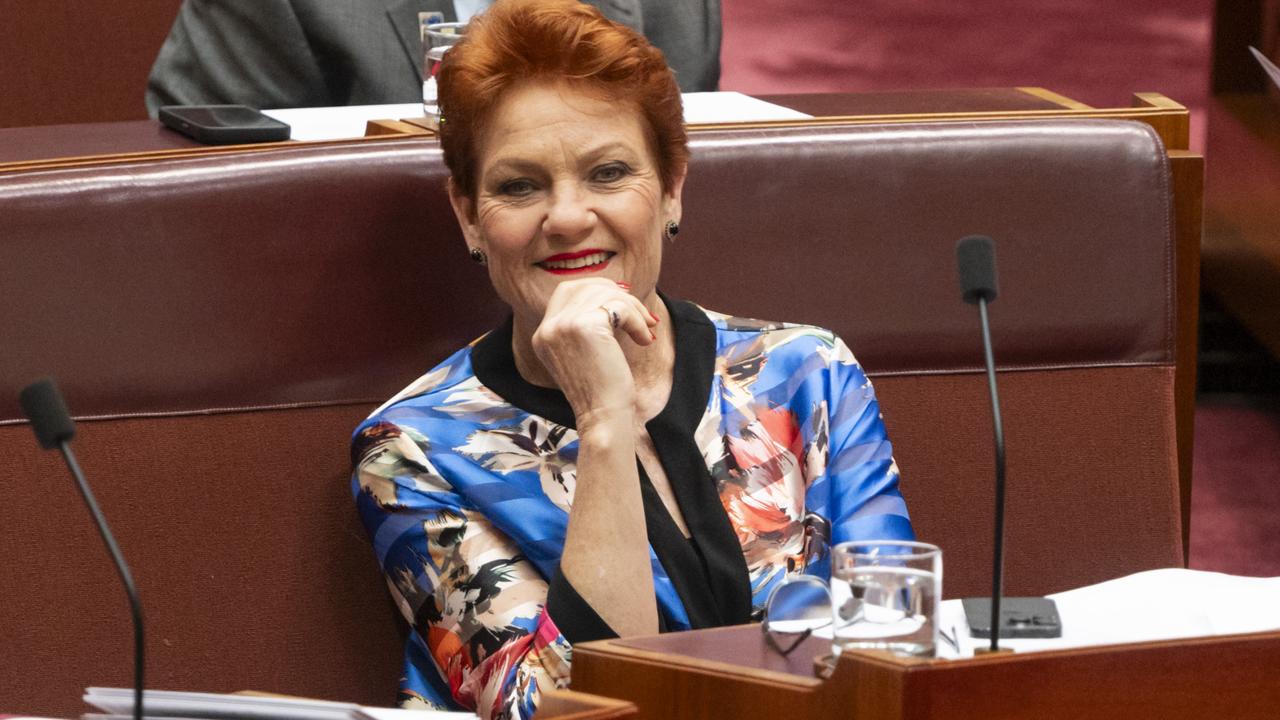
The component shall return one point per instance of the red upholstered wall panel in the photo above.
(240, 530)
(63, 61)
(255, 573)
(1065, 527)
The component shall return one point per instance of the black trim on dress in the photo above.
(708, 570)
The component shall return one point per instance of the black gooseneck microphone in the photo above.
(1014, 617)
(976, 260)
(43, 406)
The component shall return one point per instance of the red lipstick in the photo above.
(566, 257)
(572, 255)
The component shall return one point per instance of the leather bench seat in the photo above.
(221, 323)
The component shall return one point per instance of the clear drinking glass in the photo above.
(437, 38)
(885, 595)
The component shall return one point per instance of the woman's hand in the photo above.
(606, 553)
(579, 346)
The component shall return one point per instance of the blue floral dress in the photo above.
(464, 481)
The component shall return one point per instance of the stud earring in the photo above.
(478, 256)
(671, 230)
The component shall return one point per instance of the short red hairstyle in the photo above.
(518, 41)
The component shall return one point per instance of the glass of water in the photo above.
(437, 38)
(885, 595)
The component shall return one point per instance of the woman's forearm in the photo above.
(606, 550)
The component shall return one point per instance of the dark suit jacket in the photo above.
(308, 53)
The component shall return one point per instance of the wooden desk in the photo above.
(728, 672)
(571, 705)
(22, 147)
(898, 102)
(1170, 119)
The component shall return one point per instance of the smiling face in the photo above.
(567, 187)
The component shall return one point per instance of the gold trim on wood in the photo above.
(1170, 120)
(1054, 97)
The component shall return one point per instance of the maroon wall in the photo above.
(63, 61)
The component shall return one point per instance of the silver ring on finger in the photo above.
(614, 320)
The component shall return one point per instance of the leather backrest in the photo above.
(854, 228)
(317, 274)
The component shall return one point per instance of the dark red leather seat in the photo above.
(221, 323)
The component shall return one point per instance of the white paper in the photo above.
(1155, 605)
(119, 701)
(1165, 604)
(171, 705)
(339, 123)
(346, 122)
(731, 107)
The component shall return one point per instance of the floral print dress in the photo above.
(465, 479)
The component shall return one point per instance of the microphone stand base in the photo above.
(988, 651)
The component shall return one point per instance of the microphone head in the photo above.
(976, 260)
(43, 406)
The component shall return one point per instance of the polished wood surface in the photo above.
(1171, 120)
(27, 144)
(571, 705)
(923, 101)
(1187, 170)
(25, 147)
(710, 674)
(157, 146)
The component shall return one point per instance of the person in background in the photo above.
(611, 461)
(316, 53)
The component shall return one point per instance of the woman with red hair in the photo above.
(611, 461)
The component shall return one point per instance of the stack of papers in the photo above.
(117, 704)
(1167, 604)
(339, 123)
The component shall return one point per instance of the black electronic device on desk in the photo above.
(223, 124)
(1020, 617)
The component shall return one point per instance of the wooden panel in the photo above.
(1205, 677)
(570, 705)
(1170, 119)
(1188, 206)
(42, 144)
(923, 101)
(25, 148)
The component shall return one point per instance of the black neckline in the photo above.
(708, 570)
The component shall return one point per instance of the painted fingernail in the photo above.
(624, 286)
(653, 335)
(654, 316)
